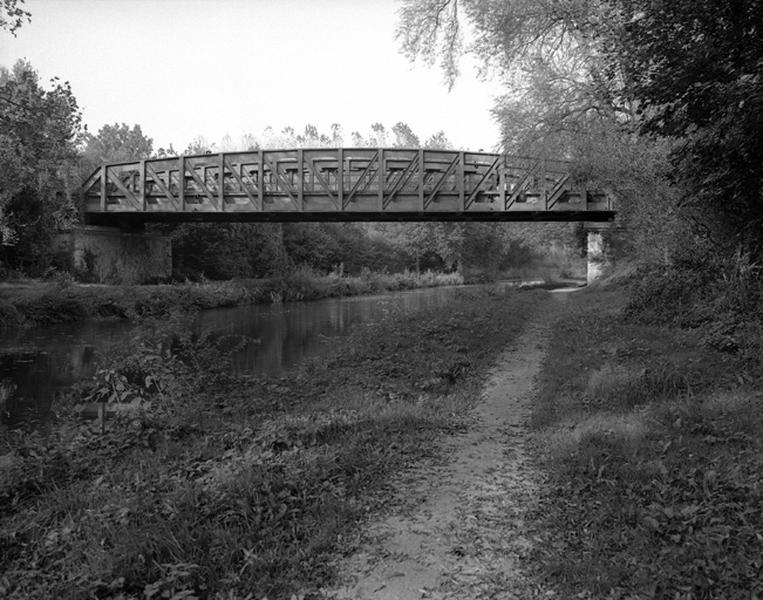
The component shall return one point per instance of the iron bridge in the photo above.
(340, 184)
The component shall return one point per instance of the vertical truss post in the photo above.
(221, 182)
(261, 179)
(340, 177)
(502, 183)
(421, 179)
(301, 179)
(380, 179)
(543, 191)
(181, 182)
(104, 175)
(460, 179)
(142, 196)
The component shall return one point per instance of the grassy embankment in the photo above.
(650, 437)
(222, 488)
(45, 303)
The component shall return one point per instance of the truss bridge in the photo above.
(340, 184)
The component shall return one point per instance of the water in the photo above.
(38, 363)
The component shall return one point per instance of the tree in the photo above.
(438, 141)
(116, 143)
(694, 67)
(39, 130)
(404, 136)
(200, 145)
(12, 15)
(337, 135)
(586, 78)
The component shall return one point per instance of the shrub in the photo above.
(723, 296)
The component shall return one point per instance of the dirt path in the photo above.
(464, 535)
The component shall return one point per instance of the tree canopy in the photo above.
(117, 142)
(589, 80)
(696, 70)
(39, 131)
(13, 15)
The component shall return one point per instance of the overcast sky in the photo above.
(188, 68)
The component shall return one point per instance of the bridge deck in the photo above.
(340, 184)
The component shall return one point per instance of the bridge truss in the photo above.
(340, 184)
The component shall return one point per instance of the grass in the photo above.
(45, 303)
(649, 443)
(224, 488)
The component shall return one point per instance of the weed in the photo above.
(650, 444)
(219, 488)
(723, 297)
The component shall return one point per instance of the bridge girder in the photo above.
(340, 184)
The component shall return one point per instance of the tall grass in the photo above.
(651, 451)
(223, 488)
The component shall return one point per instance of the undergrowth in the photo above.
(721, 297)
(649, 441)
(216, 487)
(63, 301)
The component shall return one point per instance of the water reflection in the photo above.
(38, 362)
(285, 334)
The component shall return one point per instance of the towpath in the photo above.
(461, 534)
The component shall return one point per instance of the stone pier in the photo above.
(117, 256)
(599, 252)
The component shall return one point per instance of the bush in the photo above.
(723, 296)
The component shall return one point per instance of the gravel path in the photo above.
(464, 534)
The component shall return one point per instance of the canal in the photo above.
(39, 363)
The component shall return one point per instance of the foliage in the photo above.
(649, 442)
(61, 301)
(585, 77)
(305, 284)
(722, 296)
(236, 487)
(13, 15)
(149, 370)
(226, 250)
(114, 143)
(694, 69)
(37, 151)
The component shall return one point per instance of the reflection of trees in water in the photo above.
(33, 393)
(283, 335)
(41, 361)
(288, 333)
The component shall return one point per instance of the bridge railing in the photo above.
(339, 180)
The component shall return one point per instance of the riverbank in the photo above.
(45, 303)
(648, 438)
(222, 487)
(636, 475)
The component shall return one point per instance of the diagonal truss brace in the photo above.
(281, 179)
(202, 185)
(402, 180)
(324, 184)
(438, 184)
(470, 198)
(117, 180)
(369, 171)
(159, 182)
(239, 177)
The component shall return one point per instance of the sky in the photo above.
(188, 68)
